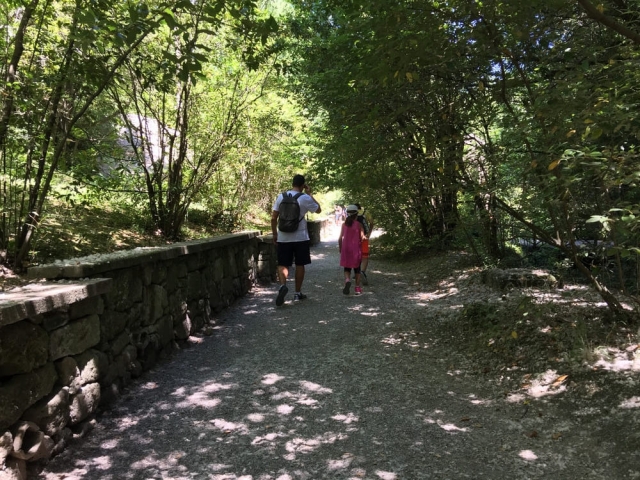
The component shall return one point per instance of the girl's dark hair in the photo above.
(350, 219)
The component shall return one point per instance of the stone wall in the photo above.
(318, 230)
(71, 343)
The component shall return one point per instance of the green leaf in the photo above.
(169, 19)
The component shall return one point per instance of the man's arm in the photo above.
(274, 225)
(307, 190)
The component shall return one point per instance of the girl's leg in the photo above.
(347, 281)
(358, 276)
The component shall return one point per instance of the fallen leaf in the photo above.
(465, 419)
(558, 381)
(556, 436)
(477, 425)
(532, 434)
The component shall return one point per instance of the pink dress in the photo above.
(351, 253)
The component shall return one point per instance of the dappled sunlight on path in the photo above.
(335, 387)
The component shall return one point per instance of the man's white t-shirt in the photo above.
(306, 205)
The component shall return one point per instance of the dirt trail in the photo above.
(351, 387)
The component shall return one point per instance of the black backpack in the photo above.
(289, 209)
(365, 224)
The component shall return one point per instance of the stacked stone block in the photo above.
(72, 343)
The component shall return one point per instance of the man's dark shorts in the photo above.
(288, 250)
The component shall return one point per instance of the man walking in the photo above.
(290, 234)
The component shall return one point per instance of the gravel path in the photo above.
(341, 387)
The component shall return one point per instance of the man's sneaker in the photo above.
(347, 287)
(365, 281)
(358, 290)
(299, 296)
(281, 294)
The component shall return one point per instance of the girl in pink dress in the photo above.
(351, 236)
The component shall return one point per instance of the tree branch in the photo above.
(598, 16)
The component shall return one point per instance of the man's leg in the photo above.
(285, 258)
(299, 277)
(283, 273)
(303, 257)
(364, 262)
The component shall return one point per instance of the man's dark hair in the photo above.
(298, 181)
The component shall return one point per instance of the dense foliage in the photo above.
(166, 106)
(494, 123)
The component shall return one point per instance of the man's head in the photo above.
(298, 181)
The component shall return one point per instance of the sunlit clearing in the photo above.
(516, 398)
(528, 455)
(284, 409)
(269, 439)
(430, 296)
(102, 463)
(217, 387)
(153, 461)
(304, 446)
(263, 292)
(150, 386)
(256, 417)
(616, 360)
(228, 427)
(127, 422)
(226, 476)
(110, 444)
(477, 401)
(450, 427)
(633, 402)
(347, 419)
(341, 464)
(406, 338)
(199, 399)
(282, 396)
(314, 387)
(548, 383)
(386, 475)
(271, 378)
(308, 401)
(251, 312)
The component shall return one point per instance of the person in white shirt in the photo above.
(294, 244)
